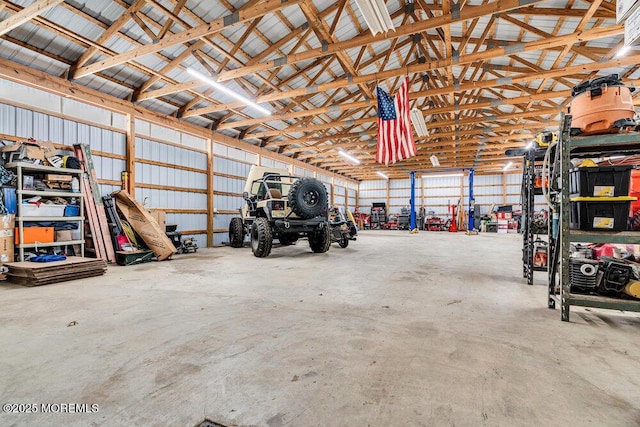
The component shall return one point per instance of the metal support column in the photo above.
(472, 202)
(412, 221)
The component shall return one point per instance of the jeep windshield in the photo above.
(272, 181)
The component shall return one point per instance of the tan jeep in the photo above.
(283, 207)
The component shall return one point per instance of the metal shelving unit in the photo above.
(589, 146)
(529, 233)
(20, 169)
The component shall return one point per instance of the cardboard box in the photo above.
(28, 150)
(145, 225)
(35, 234)
(160, 217)
(58, 177)
(63, 236)
(7, 226)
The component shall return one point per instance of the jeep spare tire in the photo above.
(308, 198)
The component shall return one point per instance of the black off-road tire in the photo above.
(288, 239)
(236, 233)
(343, 242)
(261, 238)
(308, 198)
(320, 241)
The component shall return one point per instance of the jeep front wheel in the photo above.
(236, 233)
(320, 241)
(261, 238)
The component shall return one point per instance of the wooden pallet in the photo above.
(96, 215)
(38, 274)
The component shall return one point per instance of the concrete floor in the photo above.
(433, 329)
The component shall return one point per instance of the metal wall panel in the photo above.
(142, 127)
(221, 202)
(89, 113)
(234, 153)
(298, 171)
(188, 221)
(107, 189)
(30, 96)
(400, 183)
(40, 127)
(7, 119)
(228, 185)
(164, 133)
(24, 123)
(513, 178)
(56, 129)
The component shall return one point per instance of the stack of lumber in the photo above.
(99, 241)
(45, 273)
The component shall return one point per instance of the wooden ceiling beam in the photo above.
(215, 26)
(26, 14)
(469, 12)
(593, 34)
(111, 30)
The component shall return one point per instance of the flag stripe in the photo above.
(395, 135)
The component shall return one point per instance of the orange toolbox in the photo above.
(602, 105)
(36, 234)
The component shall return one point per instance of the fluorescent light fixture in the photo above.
(228, 91)
(434, 161)
(376, 15)
(507, 167)
(616, 157)
(623, 51)
(418, 123)
(349, 157)
(382, 175)
(446, 175)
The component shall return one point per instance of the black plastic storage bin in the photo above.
(603, 181)
(604, 215)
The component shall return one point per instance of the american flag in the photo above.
(395, 136)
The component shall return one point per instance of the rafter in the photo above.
(26, 14)
(217, 25)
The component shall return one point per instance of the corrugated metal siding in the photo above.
(298, 171)
(440, 192)
(234, 153)
(59, 105)
(26, 123)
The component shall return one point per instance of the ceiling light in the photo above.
(228, 91)
(382, 175)
(376, 15)
(446, 175)
(418, 123)
(349, 157)
(434, 161)
(507, 167)
(623, 51)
